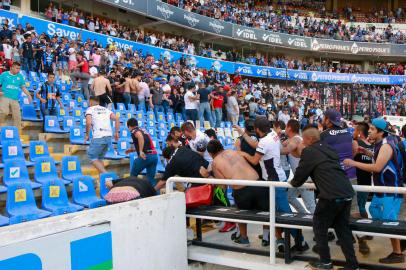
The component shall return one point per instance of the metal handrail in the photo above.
(272, 185)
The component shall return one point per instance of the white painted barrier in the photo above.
(272, 213)
(145, 234)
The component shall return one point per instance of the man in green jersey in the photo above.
(12, 82)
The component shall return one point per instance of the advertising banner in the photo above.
(179, 16)
(139, 6)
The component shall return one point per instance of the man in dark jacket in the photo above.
(321, 163)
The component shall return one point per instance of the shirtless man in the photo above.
(293, 148)
(228, 164)
(102, 89)
(127, 89)
(135, 86)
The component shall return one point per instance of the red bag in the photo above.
(199, 196)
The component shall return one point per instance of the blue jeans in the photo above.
(149, 163)
(219, 115)
(28, 64)
(141, 106)
(205, 114)
(158, 108)
(127, 100)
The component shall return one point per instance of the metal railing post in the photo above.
(272, 212)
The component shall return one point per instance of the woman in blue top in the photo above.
(386, 172)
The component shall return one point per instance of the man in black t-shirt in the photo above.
(183, 162)
(28, 54)
(204, 106)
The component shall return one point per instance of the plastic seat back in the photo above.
(76, 134)
(9, 133)
(38, 149)
(122, 146)
(20, 199)
(54, 194)
(120, 106)
(71, 168)
(45, 170)
(52, 124)
(104, 177)
(12, 150)
(15, 172)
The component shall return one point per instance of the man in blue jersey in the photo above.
(386, 172)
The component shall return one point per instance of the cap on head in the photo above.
(334, 117)
(381, 124)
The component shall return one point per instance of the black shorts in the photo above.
(252, 198)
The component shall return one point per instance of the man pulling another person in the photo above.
(228, 164)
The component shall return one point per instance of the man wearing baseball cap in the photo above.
(386, 172)
(338, 138)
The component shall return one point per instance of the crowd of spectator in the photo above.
(280, 18)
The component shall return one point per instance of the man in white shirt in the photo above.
(268, 156)
(191, 103)
(233, 110)
(197, 140)
(98, 119)
(93, 74)
(284, 116)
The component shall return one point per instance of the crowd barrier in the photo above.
(287, 221)
(62, 30)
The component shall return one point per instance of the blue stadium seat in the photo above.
(132, 108)
(151, 123)
(125, 134)
(79, 97)
(157, 147)
(38, 149)
(84, 104)
(71, 104)
(21, 205)
(4, 221)
(160, 167)
(228, 124)
(107, 176)
(161, 117)
(71, 169)
(77, 135)
(16, 172)
(84, 193)
(222, 140)
(112, 154)
(178, 116)
(65, 87)
(162, 134)
(170, 117)
(152, 131)
(55, 199)
(10, 133)
(151, 116)
(43, 77)
(62, 112)
(77, 113)
(52, 125)
(122, 146)
(68, 122)
(120, 106)
(139, 115)
(66, 97)
(171, 124)
(228, 143)
(34, 76)
(161, 125)
(28, 113)
(45, 171)
(13, 150)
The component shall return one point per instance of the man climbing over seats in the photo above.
(228, 164)
(320, 162)
(98, 119)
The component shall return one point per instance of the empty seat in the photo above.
(9, 133)
(125, 134)
(38, 149)
(28, 113)
(112, 154)
(13, 150)
(71, 169)
(84, 193)
(77, 135)
(52, 125)
(21, 205)
(77, 114)
(120, 106)
(45, 171)
(122, 146)
(161, 117)
(79, 97)
(55, 199)
(62, 112)
(104, 177)
(68, 122)
(16, 172)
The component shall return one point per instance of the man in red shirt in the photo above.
(217, 98)
(82, 73)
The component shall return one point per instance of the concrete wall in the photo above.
(146, 234)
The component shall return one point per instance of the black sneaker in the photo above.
(265, 243)
(317, 265)
(234, 236)
(241, 241)
(393, 258)
(363, 247)
(300, 248)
